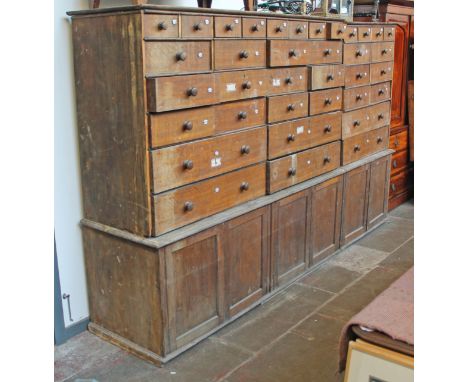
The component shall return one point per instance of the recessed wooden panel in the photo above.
(287, 80)
(237, 54)
(364, 144)
(253, 27)
(357, 75)
(326, 76)
(288, 52)
(298, 29)
(365, 34)
(288, 137)
(382, 51)
(197, 26)
(161, 26)
(325, 101)
(325, 128)
(317, 30)
(231, 86)
(354, 54)
(277, 28)
(240, 115)
(381, 72)
(378, 191)
(289, 106)
(380, 92)
(356, 97)
(227, 26)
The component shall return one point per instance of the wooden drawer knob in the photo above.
(379, 139)
(382, 72)
(393, 187)
(327, 159)
(381, 91)
(328, 101)
(188, 206)
(245, 149)
(292, 171)
(188, 125)
(328, 129)
(244, 186)
(352, 34)
(293, 53)
(162, 26)
(242, 115)
(359, 53)
(198, 26)
(380, 116)
(192, 92)
(359, 76)
(359, 97)
(279, 29)
(330, 77)
(390, 33)
(291, 107)
(188, 164)
(181, 56)
(327, 52)
(300, 29)
(318, 31)
(357, 148)
(384, 51)
(366, 34)
(289, 80)
(255, 28)
(291, 137)
(395, 164)
(356, 123)
(247, 85)
(244, 54)
(379, 33)
(229, 27)
(339, 31)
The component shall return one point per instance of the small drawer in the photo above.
(237, 54)
(288, 52)
(325, 52)
(325, 101)
(181, 126)
(243, 84)
(296, 168)
(197, 26)
(379, 115)
(351, 34)
(381, 72)
(160, 26)
(288, 137)
(317, 30)
(355, 122)
(399, 161)
(365, 144)
(287, 80)
(389, 33)
(226, 26)
(399, 183)
(179, 92)
(365, 34)
(399, 141)
(357, 75)
(289, 106)
(174, 209)
(356, 97)
(337, 31)
(253, 28)
(380, 92)
(325, 128)
(377, 33)
(240, 115)
(176, 166)
(382, 51)
(356, 54)
(277, 28)
(298, 29)
(168, 57)
(326, 76)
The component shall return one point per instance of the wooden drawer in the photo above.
(288, 137)
(325, 52)
(381, 72)
(356, 54)
(253, 28)
(240, 115)
(175, 166)
(298, 29)
(227, 26)
(377, 33)
(399, 161)
(325, 128)
(277, 28)
(289, 106)
(399, 183)
(325, 101)
(365, 144)
(379, 115)
(176, 208)
(357, 75)
(297, 168)
(380, 92)
(197, 26)
(399, 141)
(160, 26)
(168, 57)
(181, 126)
(389, 33)
(382, 51)
(287, 80)
(365, 34)
(351, 34)
(288, 52)
(238, 54)
(243, 84)
(326, 76)
(179, 92)
(356, 97)
(317, 30)
(336, 30)
(355, 122)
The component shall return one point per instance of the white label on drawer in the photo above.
(276, 82)
(301, 104)
(365, 74)
(338, 51)
(305, 50)
(300, 77)
(216, 153)
(207, 21)
(256, 111)
(231, 87)
(285, 24)
(309, 131)
(216, 162)
(216, 189)
(236, 21)
(210, 90)
(200, 54)
(300, 130)
(305, 26)
(308, 162)
(337, 97)
(257, 53)
(367, 141)
(174, 21)
(205, 122)
(260, 82)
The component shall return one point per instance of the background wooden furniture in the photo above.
(249, 5)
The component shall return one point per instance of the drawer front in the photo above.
(277, 28)
(238, 54)
(399, 183)
(187, 204)
(325, 52)
(190, 162)
(240, 115)
(325, 128)
(356, 54)
(253, 28)
(161, 26)
(181, 126)
(167, 57)
(357, 75)
(297, 168)
(287, 80)
(355, 122)
(356, 97)
(377, 33)
(231, 86)
(389, 33)
(379, 115)
(399, 161)
(365, 144)
(289, 106)
(382, 51)
(179, 92)
(365, 34)
(380, 92)
(325, 101)
(298, 29)
(317, 30)
(326, 76)
(288, 137)
(288, 53)
(226, 26)
(197, 26)
(381, 72)
(337, 30)
(399, 141)
(351, 34)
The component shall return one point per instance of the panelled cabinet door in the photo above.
(378, 191)
(289, 242)
(354, 216)
(246, 259)
(326, 201)
(194, 274)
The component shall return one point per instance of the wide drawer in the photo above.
(240, 115)
(365, 144)
(354, 54)
(238, 54)
(325, 101)
(356, 97)
(168, 57)
(288, 137)
(288, 52)
(297, 168)
(399, 161)
(253, 27)
(380, 92)
(277, 28)
(365, 119)
(325, 52)
(399, 141)
(326, 76)
(298, 29)
(175, 166)
(287, 80)
(197, 26)
(161, 26)
(243, 84)
(181, 126)
(176, 208)
(227, 26)
(382, 51)
(381, 72)
(288, 106)
(357, 75)
(317, 30)
(179, 92)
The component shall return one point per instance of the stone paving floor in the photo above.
(293, 337)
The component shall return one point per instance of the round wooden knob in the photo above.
(291, 137)
(318, 31)
(390, 33)
(192, 92)
(198, 26)
(188, 206)
(359, 97)
(357, 123)
(359, 76)
(328, 101)
(330, 77)
(300, 29)
(162, 26)
(359, 53)
(289, 80)
(244, 186)
(229, 27)
(328, 129)
(327, 52)
(247, 85)
(188, 125)
(188, 164)
(244, 54)
(181, 56)
(327, 159)
(383, 71)
(242, 115)
(379, 139)
(366, 34)
(380, 116)
(381, 92)
(292, 171)
(291, 107)
(255, 28)
(379, 33)
(245, 149)
(279, 29)
(357, 148)
(339, 31)
(293, 53)
(352, 34)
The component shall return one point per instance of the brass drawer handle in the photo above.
(359, 53)
(188, 125)
(255, 28)
(380, 116)
(244, 54)
(289, 80)
(229, 27)
(187, 165)
(279, 29)
(356, 123)
(192, 92)
(393, 187)
(359, 97)
(291, 107)
(244, 186)
(379, 139)
(328, 129)
(188, 206)
(328, 101)
(384, 51)
(291, 137)
(242, 115)
(395, 164)
(330, 77)
(327, 159)
(181, 56)
(293, 53)
(357, 148)
(359, 76)
(247, 85)
(162, 26)
(381, 91)
(300, 29)
(198, 26)
(292, 171)
(327, 52)
(245, 149)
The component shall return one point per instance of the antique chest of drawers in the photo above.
(223, 155)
